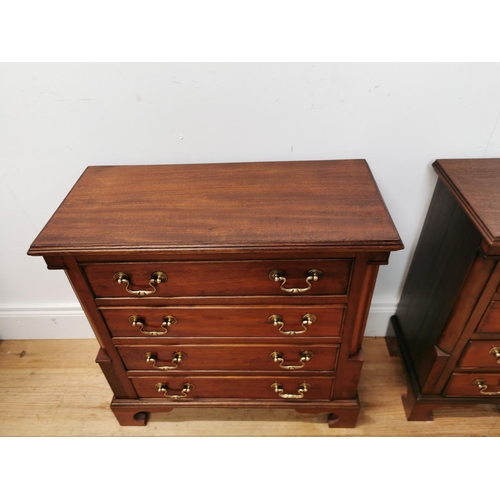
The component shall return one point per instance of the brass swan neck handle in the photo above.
(312, 275)
(156, 278)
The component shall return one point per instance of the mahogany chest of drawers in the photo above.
(448, 319)
(243, 285)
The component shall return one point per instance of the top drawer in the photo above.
(221, 278)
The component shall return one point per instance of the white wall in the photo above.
(56, 119)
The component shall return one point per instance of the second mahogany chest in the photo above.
(448, 319)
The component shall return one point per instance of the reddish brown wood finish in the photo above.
(106, 366)
(448, 317)
(472, 288)
(420, 407)
(478, 355)
(350, 359)
(232, 387)
(365, 299)
(471, 325)
(246, 357)
(229, 321)
(475, 183)
(437, 363)
(222, 206)
(221, 278)
(462, 384)
(116, 371)
(217, 231)
(491, 319)
(136, 413)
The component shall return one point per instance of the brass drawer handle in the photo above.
(303, 388)
(305, 356)
(167, 321)
(482, 388)
(152, 358)
(278, 275)
(495, 351)
(162, 387)
(277, 320)
(156, 279)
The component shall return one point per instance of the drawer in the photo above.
(276, 388)
(481, 354)
(221, 278)
(256, 321)
(480, 385)
(490, 323)
(270, 357)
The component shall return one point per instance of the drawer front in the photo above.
(269, 357)
(476, 385)
(222, 278)
(481, 354)
(234, 387)
(490, 322)
(257, 321)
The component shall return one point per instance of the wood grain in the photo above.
(491, 320)
(221, 278)
(221, 206)
(477, 355)
(461, 384)
(445, 252)
(475, 182)
(245, 322)
(50, 388)
(242, 357)
(234, 388)
(297, 220)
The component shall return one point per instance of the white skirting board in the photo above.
(69, 322)
(49, 322)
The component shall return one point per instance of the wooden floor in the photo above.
(54, 388)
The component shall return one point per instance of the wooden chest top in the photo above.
(475, 183)
(230, 206)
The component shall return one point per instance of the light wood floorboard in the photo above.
(54, 388)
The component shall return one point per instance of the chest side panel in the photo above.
(443, 257)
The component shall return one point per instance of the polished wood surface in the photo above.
(462, 384)
(448, 316)
(230, 321)
(475, 183)
(481, 354)
(221, 278)
(445, 251)
(236, 357)
(234, 387)
(209, 254)
(221, 206)
(52, 388)
(491, 319)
